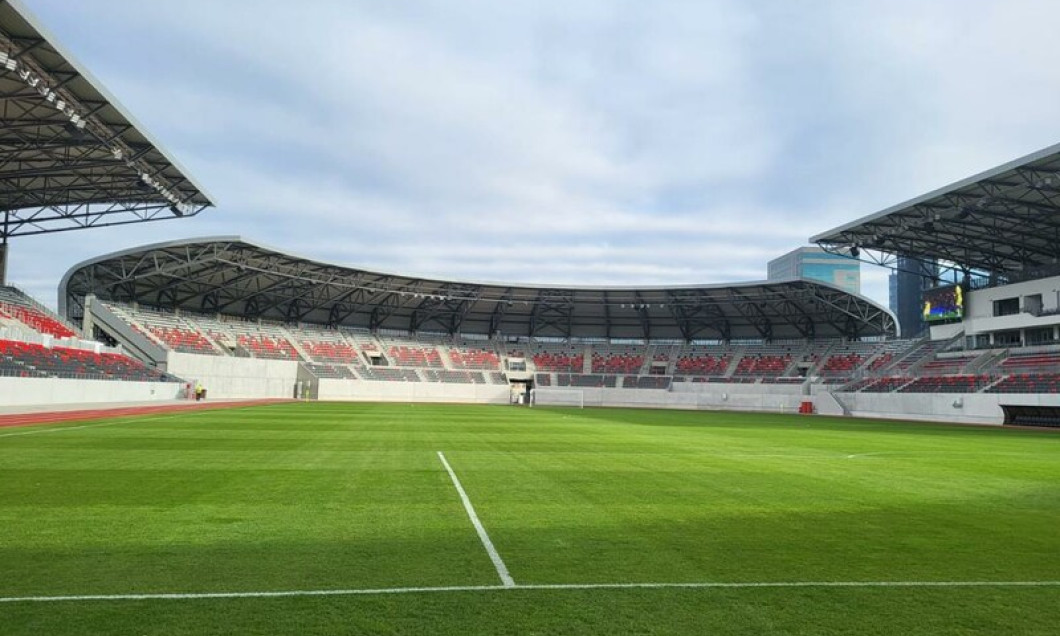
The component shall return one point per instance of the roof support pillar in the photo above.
(3, 248)
(3, 258)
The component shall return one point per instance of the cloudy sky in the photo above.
(580, 141)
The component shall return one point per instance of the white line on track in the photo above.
(38, 431)
(498, 562)
(517, 587)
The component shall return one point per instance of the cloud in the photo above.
(591, 142)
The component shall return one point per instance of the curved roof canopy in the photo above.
(1005, 222)
(229, 275)
(71, 157)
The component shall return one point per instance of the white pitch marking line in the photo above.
(498, 562)
(530, 587)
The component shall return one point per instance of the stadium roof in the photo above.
(233, 276)
(71, 157)
(1004, 221)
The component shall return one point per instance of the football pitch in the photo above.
(317, 518)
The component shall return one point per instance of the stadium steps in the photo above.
(737, 355)
(822, 358)
(998, 380)
(923, 354)
(837, 404)
(989, 363)
(135, 344)
(213, 343)
(297, 347)
(913, 348)
(867, 363)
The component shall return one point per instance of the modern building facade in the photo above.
(907, 286)
(816, 264)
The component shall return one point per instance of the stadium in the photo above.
(379, 452)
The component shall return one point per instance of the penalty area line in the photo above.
(517, 587)
(498, 562)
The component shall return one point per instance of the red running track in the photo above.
(82, 415)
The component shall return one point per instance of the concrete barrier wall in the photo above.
(369, 391)
(750, 399)
(34, 391)
(737, 388)
(227, 377)
(975, 408)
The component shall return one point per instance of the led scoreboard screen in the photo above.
(944, 304)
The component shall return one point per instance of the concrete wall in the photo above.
(976, 408)
(227, 377)
(723, 398)
(736, 388)
(369, 391)
(34, 391)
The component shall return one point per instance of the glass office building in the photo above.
(816, 264)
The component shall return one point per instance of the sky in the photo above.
(566, 142)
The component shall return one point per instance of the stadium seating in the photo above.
(1028, 383)
(454, 377)
(261, 346)
(841, 365)
(702, 365)
(558, 362)
(326, 345)
(945, 366)
(762, 365)
(406, 356)
(617, 363)
(390, 374)
(15, 305)
(477, 359)
(947, 384)
(646, 382)
(586, 380)
(334, 371)
(23, 359)
(885, 385)
(165, 329)
(872, 367)
(1031, 363)
(881, 361)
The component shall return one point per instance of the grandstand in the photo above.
(383, 336)
(36, 343)
(403, 338)
(74, 159)
(250, 319)
(994, 314)
(283, 517)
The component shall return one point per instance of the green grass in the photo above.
(353, 496)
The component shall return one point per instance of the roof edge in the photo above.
(986, 174)
(32, 20)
